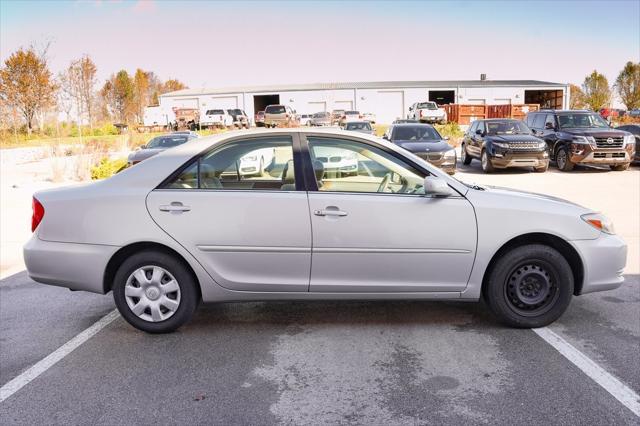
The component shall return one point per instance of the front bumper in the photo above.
(603, 260)
(586, 154)
(505, 159)
(71, 265)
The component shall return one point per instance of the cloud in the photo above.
(144, 6)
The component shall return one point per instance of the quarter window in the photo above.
(349, 166)
(252, 164)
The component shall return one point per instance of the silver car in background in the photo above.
(320, 119)
(187, 226)
(159, 144)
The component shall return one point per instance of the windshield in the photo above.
(510, 127)
(358, 126)
(427, 105)
(351, 113)
(568, 121)
(166, 141)
(215, 111)
(416, 134)
(275, 109)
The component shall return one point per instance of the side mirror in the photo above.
(549, 126)
(143, 146)
(437, 186)
(478, 132)
(446, 138)
(410, 108)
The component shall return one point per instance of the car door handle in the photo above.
(329, 213)
(174, 207)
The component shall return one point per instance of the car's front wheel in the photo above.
(155, 292)
(530, 286)
(487, 166)
(563, 160)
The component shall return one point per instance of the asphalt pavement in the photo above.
(368, 363)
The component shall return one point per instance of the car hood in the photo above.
(533, 196)
(601, 133)
(143, 154)
(436, 146)
(513, 138)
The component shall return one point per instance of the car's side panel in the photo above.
(391, 243)
(246, 240)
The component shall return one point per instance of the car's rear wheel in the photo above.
(563, 160)
(487, 166)
(620, 167)
(155, 292)
(529, 286)
(464, 156)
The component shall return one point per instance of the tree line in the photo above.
(29, 92)
(596, 93)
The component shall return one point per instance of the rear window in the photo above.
(215, 111)
(352, 113)
(167, 141)
(358, 126)
(275, 109)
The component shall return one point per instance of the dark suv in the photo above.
(502, 143)
(582, 137)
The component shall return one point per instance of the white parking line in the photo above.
(50, 360)
(615, 387)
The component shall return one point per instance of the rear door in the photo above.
(241, 211)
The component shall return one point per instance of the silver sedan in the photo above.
(187, 225)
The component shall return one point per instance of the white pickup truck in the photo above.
(427, 112)
(216, 118)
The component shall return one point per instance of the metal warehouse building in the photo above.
(388, 100)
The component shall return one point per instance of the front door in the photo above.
(374, 230)
(239, 212)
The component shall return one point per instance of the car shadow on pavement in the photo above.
(288, 313)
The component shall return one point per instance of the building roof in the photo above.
(364, 85)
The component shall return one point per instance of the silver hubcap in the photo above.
(152, 293)
(484, 161)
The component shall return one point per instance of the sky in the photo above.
(218, 44)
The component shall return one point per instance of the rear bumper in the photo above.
(523, 159)
(604, 260)
(71, 265)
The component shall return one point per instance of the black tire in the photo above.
(563, 160)
(620, 167)
(464, 155)
(485, 161)
(541, 169)
(189, 294)
(528, 287)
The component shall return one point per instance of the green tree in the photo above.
(597, 92)
(576, 96)
(27, 84)
(628, 84)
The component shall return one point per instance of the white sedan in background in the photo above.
(186, 226)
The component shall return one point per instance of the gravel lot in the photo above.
(328, 362)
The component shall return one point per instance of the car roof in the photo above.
(500, 119)
(561, 110)
(412, 125)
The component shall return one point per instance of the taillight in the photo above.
(38, 214)
(420, 113)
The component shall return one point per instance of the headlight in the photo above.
(584, 139)
(250, 158)
(600, 222)
(451, 154)
(629, 139)
(501, 144)
(542, 144)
